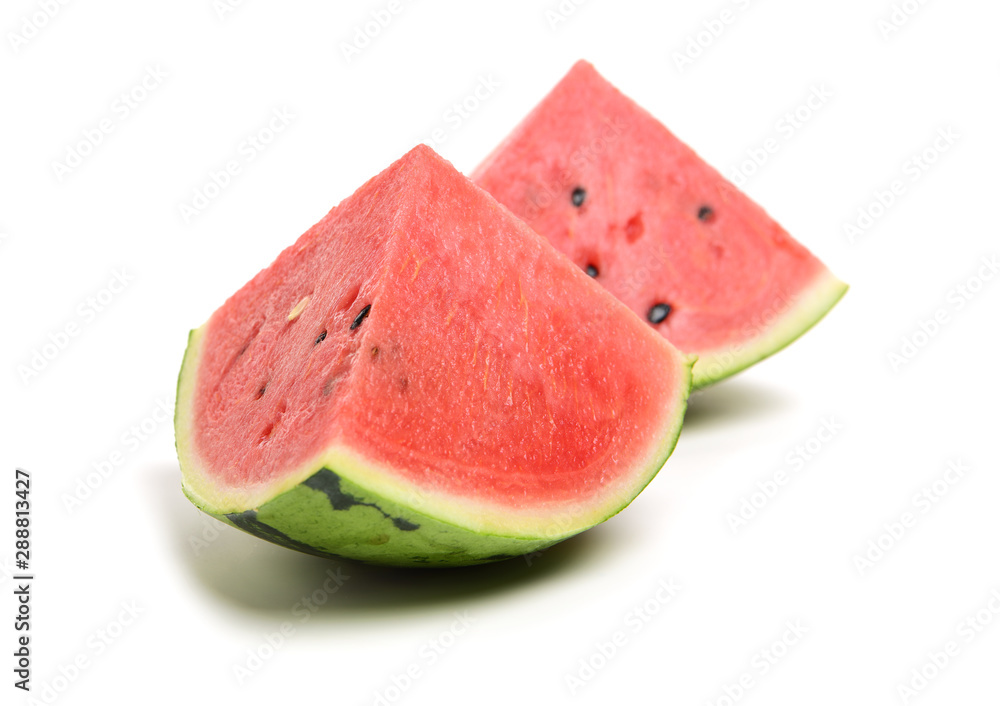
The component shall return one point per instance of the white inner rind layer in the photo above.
(553, 521)
(807, 308)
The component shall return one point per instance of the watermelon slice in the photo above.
(664, 232)
(422, 379)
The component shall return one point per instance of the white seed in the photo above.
(299, 308)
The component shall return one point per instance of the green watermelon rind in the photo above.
(811, 304)
(387, 524)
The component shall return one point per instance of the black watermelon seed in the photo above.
(591, 270)
(361, 317)
(320, 338)
(579, 194)
(658, 313)
(261, 391)
(705, 213)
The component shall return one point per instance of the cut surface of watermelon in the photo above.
(611, 187)
(422, 379)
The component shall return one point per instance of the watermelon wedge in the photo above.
(637, 209)
(421, 379)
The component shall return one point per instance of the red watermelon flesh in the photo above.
(425, 348)
(663, 231)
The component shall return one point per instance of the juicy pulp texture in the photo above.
(436, 355)
(629, 203)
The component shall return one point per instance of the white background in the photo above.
(204, 607)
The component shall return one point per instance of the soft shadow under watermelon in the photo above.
(260, 577)
(731, 400)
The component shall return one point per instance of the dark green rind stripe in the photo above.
(328, 483)
(327, 515)
(248, 522)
